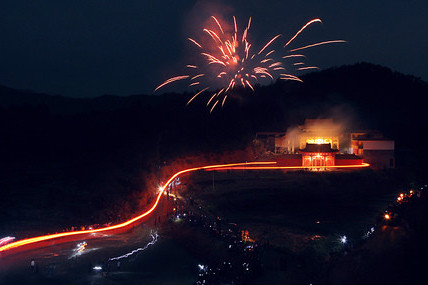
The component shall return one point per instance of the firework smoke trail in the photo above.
(230, 61)
(154, 236)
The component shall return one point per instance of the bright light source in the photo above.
(81, 247)
(97, 268)
(177, 219)
(202, 267)
(343, 239)
(259, 165)
(6, 240)
(153, 234)
(387, 216)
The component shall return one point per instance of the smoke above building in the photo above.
(313, 131)
(322, 143)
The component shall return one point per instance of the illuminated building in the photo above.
(318, 154)
(315, 143)
(319, 132)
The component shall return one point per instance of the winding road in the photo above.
(69, 236)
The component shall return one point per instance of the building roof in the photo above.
(371, 139)
(362, 135)
(318, 148)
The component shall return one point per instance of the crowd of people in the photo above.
(243, 259)
(397, 213)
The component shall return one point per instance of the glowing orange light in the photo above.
(301, 30)
(133, 220)
(319, 140)
(271, 41)
(258, 165)
(176, 78)
(233, 55)
(318, 156)
(387, 216)
(289, 167)
(318, 44)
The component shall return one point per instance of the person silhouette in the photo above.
(33, 265)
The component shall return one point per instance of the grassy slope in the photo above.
(343, 203)
(282, 210)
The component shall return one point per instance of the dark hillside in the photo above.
(80, 142)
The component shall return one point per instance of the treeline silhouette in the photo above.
(103, 146)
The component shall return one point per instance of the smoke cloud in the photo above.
(338, 121)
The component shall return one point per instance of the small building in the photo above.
(272, 141)
(374, 148)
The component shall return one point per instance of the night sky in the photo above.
(84, 48)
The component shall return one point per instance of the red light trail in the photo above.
(262, 165)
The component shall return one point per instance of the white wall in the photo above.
(378, 145)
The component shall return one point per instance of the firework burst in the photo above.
(231, 61)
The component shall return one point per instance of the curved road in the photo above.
(261, 165)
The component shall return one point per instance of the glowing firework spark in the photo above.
(318, 44)
(228, 60)
(302, 29)
(176, 78)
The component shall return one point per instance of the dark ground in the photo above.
(282, 212)
(166, 262)
(72, 162)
